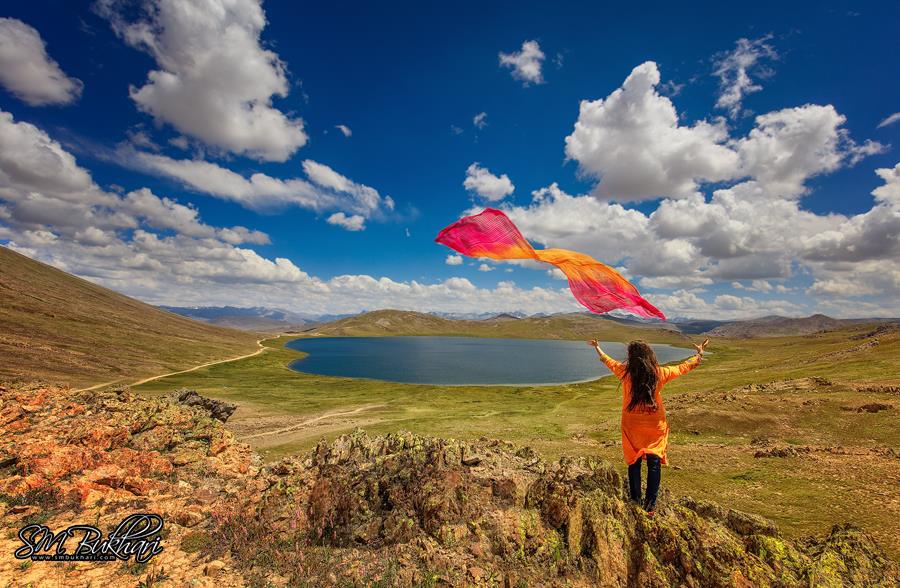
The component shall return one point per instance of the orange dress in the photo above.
(644, 431)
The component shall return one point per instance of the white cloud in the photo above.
(32, 161)
(344, 129)
(164, 213)
(325, 177)
(480, 120)
(557, 274)
(632, 141)
(179, 142)
(741, 233)
(26, 70)
(43, 192)
(354, 222)
(889, 193)
(141, 139)
(889, 120)
(789, 146)
(686, 303)
(214, 81)
(761, 286)
(454, 259)
(525, 64)
(490, 187)
(50, 207)
(485, 268)
(734, 70)
(324, 190)
(634, 144)
(692, 282)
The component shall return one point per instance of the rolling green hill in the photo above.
(575, 326)
(60, 328)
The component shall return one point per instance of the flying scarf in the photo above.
(597, 286)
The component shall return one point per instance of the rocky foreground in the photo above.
(396, 510)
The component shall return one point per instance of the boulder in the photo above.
(217, 409)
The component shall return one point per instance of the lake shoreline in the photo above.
(454, 361)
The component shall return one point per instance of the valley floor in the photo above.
(803, 430)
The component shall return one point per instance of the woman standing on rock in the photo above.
(645, 432)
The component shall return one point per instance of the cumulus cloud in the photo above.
(344, 129)
(324, 188)
(736, 68)
(28, 72)
(354, 222)
(215, 81)
(634, 144)
(889, 193)
(490, 187)
(50, 206)
(740, 233)
(480, 120)
(525, 64)
(454, 259)
(789, 146)
(633, 141)
(485, 268)
(889, 120)
(164, 213)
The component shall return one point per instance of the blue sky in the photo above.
(776, 108)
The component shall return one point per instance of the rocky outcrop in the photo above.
(393, 510)
(408, 510)
(94, 457)
(217, 409)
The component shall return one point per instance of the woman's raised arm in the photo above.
(616, 367)
(671, 372)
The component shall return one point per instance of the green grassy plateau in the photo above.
(777, 426)
(61, 328)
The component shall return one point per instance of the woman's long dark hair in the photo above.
(643, 370)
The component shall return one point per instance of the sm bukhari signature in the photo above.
(139, 535)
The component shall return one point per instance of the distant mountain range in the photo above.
(264, 319)
(779, 326)
(255, 318)
(480, 316)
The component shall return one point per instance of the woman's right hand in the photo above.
(702, 347)
(593, 343)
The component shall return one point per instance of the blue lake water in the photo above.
(461, 360)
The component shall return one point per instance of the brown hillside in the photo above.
(60, 328)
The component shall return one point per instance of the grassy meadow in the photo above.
(797, 402)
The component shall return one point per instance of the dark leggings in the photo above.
(653, 477)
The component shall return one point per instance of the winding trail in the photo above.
(259, 343)
(298, 426)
